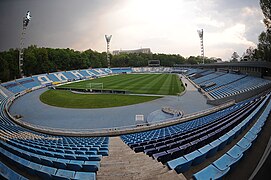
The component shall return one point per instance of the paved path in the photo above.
(35, 112)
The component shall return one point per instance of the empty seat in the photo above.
(210, 172)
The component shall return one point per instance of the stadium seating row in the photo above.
(221, 84)
(23, 84)
(47, 156)
(183, 150)
(222, 166)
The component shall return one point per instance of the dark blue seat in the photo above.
(61, 163)
(162, 156)
(7, 173)
(62, 174)
(91, 166)
(75, 165)
(46, 172)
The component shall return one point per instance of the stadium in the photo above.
(135, 114)
(201, 122)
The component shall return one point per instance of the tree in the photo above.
(234, 57)
(264, 46)
(266, 8)
(249, 55)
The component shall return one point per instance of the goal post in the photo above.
(99, 86)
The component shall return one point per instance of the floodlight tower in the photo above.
(26, 21)
(200, 32)
(108, 38)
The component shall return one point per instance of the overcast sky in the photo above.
(165, 26)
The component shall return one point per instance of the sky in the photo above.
(165, 26)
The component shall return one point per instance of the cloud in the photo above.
(164, 26)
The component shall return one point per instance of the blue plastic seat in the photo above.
(61, 163)
(236, 153)
(210, 172)
(85, 176)
(46, 172)
(224, 140)
(231, 135)
(7, 173)
(62, 174)
(33, 168)
(75, 165)
(215, 145)
(91, 166)
(196, 157)
(244, 144)
(180, 164)
(224, 162)
(250, 136)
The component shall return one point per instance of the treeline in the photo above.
(44, 60)
(263, 50)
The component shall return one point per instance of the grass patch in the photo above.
(68, 99)
(162, 84)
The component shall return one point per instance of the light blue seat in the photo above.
(224, 162)
(231, 135)
(244, 144)
(215, 145)
(200, 155)
(255, 129)
(85, 176)
(224, 140)
(237, 129)
(236, 153)
(250, 136)
(193, 157)
(75, 165)
(210, 172)
(180, 164)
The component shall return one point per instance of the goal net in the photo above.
(96, 86)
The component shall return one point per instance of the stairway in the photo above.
(123, 163)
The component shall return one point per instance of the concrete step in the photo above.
(123, 163)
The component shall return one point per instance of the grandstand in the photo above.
(209, 145)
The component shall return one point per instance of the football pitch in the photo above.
(160, 84)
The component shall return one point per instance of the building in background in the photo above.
(141, 50)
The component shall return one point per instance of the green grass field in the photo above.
(159, 84)
(67, 99)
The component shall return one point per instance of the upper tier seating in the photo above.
(243, 85)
